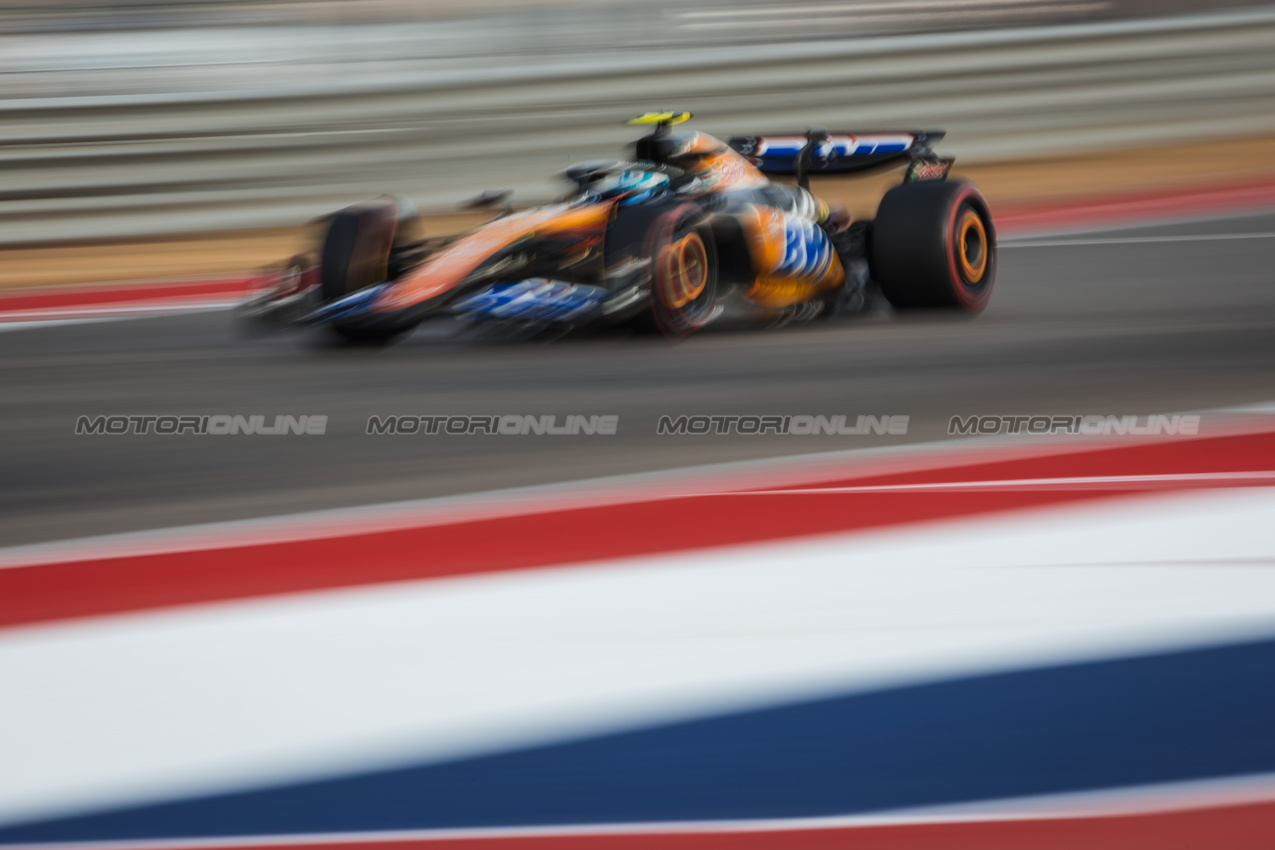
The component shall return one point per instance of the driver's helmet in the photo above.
(629, 186)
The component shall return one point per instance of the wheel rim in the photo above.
(971, 247)
(685, 270)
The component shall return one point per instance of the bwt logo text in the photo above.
(218, 424)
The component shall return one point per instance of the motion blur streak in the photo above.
(130, 583)
(617, 691)
(169, 130)
(627, 639)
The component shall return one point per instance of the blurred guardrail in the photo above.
(337, 113)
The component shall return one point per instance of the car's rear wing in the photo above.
(821, 152)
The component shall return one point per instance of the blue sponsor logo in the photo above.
(807, 250)
(347, 306)
(538, 299)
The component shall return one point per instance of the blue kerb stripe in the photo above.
(1170, 717)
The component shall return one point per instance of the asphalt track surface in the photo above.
(1135, 321)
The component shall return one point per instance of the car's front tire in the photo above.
(356, 254)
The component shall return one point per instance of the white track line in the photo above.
(949, 15)
(825, 8)
(36, 319)
(1087, 481)
(1133, 240)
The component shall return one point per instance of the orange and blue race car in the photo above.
(686, 230)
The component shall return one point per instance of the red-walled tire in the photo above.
(684, 271)
(933, 246)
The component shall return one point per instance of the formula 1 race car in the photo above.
(663, 241)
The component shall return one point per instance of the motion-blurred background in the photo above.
(176, 621)
(143, 118)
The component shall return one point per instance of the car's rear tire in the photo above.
(356, 254)
(684, 271)
(933, 246)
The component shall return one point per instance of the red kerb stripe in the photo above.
(132, 583)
